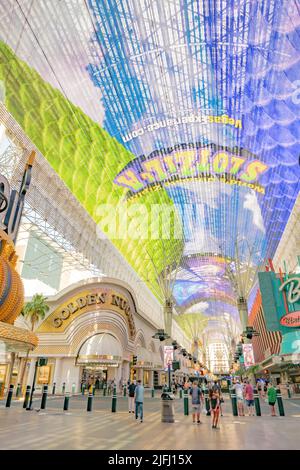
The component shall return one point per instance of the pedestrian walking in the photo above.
(139, 400)
(214, 399)
(197, 400)
(272, 395)
(239, 390)
(249, 395)
(131, 390)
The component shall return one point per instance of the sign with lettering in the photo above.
(12, 202)
(280, 300)
(104, 299)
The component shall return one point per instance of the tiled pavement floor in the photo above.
(102, 429)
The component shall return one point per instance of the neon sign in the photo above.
(200, 163)
(294, 291)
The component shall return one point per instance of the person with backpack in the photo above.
(131, 390)
(197, 400)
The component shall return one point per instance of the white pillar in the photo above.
(57, 378)
(151, 378)
(31, 371)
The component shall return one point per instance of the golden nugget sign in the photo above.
(107, 299)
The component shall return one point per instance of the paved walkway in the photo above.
(102, 429)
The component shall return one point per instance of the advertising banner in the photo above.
(168, 356)
(248, 355)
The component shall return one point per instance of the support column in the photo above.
(57, 378)
(151, 378)
(31, 371)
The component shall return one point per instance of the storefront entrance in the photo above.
(94, 376)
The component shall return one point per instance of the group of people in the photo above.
(245, 394)
(215, 402)
(136, 399)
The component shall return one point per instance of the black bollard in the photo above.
(90, 402)
(9, 396)
(185, 402)
(53, 388)
(63, 388)
(104, 390)
(44, 397)
(114, 400)
(207, 403)
(93, 390)
(280, 403)
(124, 391)
(18, 390)
(256, 402)
(27, 396)
(66, 401)
(234, 403)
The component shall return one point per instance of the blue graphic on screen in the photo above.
(177, 75)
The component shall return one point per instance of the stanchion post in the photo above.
(44, 397)
(89, 402)
(207, 403)
(180, 393)
(27, 396)
(18, 390)
(66, 401)
(53, 388)
(280, 402)
(186, 403)
(114, 400)
(256, 402)
(152, 392)
(93, 390)
(124, 391)
(63, 388)
(104, 390)
(83, 389)
(234, 403)
(9, 396)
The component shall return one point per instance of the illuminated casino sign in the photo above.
(280, 300)
(207, 163)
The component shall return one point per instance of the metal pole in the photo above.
(114, 400)
(186, 403)
(9, 396)
(256, 402)
(207, 403)
(180, 393)
(104, 390)
(27, 395)
(29, 407)
(73, 388)
(124, 390)
(90, 402)
(280, 403)
(18, 390)
(63, 388)
(93, 390)
(169, 377)
(66, 401)
(83, 389)
(53, 388)
(234, 403)
(152, 392)
(44, 397)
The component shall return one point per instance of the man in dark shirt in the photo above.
(131, 390)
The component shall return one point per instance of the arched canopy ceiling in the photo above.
(189, 106)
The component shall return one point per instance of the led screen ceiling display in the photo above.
(200, 102)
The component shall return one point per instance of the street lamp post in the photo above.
(29, 407)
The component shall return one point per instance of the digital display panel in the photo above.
(200, 116)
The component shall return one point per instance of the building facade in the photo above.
(93, 331)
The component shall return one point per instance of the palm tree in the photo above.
(34, 311)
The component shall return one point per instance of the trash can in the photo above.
(167, 407)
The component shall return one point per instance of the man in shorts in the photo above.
(197, 400)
